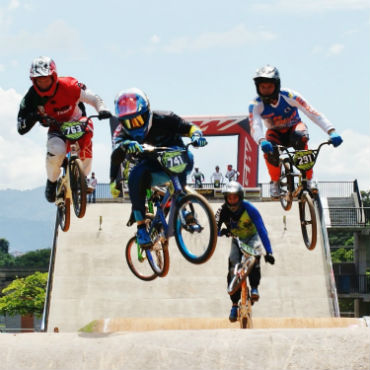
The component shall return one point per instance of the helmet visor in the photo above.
(133, 123)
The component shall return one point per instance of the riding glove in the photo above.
(198, 139)
(269, 258)
(266, 146)
(103, 114)
(113, 190)
(335, 139)
(131, 147)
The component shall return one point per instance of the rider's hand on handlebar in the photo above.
(266, 146)
(269, 258)
(223, 232)
(335, 139)
(131, 147)
(103, 114)
(198, 139)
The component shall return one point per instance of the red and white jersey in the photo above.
(283, 114)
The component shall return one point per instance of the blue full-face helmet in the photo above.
(133, 112)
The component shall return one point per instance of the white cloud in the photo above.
(335, 49)
(313, 6)
(22, 158)
(58, 35)
(14, 4)
(237, 36)
(155, 39)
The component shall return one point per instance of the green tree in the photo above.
(342, 255)
(4, 246)
(365, 196)
(25, 296)
(37, 259)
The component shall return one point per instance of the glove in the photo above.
(269, 258)
(335, 139)
(103, 114)
(131, 147)
(113, 190)
(223, 232)
(198, 139)
(266, 146)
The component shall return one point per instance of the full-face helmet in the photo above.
(267, 74)
(233, 187)
(42, 67)
(133, 112)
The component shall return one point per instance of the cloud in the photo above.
(237, 36)
(313, 6)
(335, 49)
(22, 158)
(57, 36)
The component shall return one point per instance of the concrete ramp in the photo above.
(92, 281)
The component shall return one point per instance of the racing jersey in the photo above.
(217, 176)
(232, 175)
(198, 176)
(64, 105)
(244, 223)
(283, 114)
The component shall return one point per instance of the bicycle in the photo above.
(71, 185)
(239, 281)
(179, 212)
(303, 160)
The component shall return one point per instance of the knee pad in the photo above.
(299, 139)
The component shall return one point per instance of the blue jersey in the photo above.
(283, 114)
(245, 223)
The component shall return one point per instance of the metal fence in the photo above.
(348, 216)
(353, 284)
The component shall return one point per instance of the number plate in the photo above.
(253, 251)
(174, 161)
(304, 160)
(73, 130)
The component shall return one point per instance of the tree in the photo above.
(25, 296)
(4, 246)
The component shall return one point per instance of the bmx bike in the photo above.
(291, 188)
(239, 281)
(178, 211)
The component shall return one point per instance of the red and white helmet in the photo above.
(44, 66)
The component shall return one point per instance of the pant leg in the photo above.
(56, 151)
(234, 258)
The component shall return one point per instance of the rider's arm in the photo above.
(28, 113)
(117, 157)
(260, 226)
(88, 97)
(256, 122)
(296, 100)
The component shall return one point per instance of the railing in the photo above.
(353, 284)
(348, 216)
(341, 189)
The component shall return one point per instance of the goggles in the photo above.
(133, 123)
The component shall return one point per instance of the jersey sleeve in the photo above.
(260, 226)
(296, 100)
(257, 127)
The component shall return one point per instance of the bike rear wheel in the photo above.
(195, 228)
(307, 215)
(158, 255)
(137, 261)
(286, 184)
(78, 187)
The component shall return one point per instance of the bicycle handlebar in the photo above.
(286, 149)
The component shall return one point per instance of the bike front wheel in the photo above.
(286, 184)
(195, 228)
(137, 261)
(78, 187)
(307, 215)
(63, 208)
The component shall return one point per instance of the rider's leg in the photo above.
(299, 140)
(86, 152)
(254, 279)
(234, 258)
(56, 151)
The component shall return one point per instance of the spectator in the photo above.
(198, 178)
(231, 174)
(217, 177)
(92, 182)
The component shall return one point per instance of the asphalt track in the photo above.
(180, 321)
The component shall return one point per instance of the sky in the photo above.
(193, 58)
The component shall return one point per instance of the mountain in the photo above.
(26, 219)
